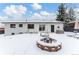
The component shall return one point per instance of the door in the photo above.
(52, 28)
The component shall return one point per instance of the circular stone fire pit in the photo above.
(49, 44)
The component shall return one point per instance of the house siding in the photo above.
(24, 29)
(17, 30)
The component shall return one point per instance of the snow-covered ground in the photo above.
(25, 44)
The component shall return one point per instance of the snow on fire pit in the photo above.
(49, 44)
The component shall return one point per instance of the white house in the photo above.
(19, 27)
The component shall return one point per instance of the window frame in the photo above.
(30, 26)
(21, 25)
(41, 27)
(12, 25)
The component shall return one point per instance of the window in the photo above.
(41, 27)
(30, 26)
(13, 33)
(20, 25)
(12, 26)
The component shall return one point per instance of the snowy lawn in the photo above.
(25, 44)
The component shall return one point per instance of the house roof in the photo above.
(31, 21)
(74, 21)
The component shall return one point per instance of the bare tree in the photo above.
(71, 15)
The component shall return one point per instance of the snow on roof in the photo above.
(73, 21)
(33, 21)
(13, 21)
(41, 20)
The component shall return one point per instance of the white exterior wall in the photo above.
(24, 29)
(32, 30)
(47, 27)
(60, 27)
(16, 30)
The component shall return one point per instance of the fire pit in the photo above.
(49, 44)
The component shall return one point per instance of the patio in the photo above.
(26, 44)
